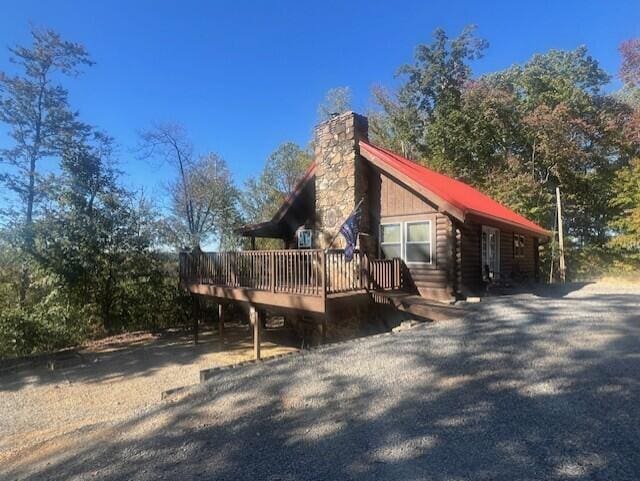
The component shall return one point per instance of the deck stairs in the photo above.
(423, 308)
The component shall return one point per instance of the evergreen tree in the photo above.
(37, 113)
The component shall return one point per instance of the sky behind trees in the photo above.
(246, 76)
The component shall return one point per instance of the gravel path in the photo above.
(105, 383)
(524, 388)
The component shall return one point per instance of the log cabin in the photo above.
(421, 233)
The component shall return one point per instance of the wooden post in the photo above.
(560, 237)
(272, 271)
(221, 320)
(323, 274)
(256, 322)
(253, 243)
(195, 313)
(366, 271)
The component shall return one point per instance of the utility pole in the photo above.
(560, 238)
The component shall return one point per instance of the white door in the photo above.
(490, 253)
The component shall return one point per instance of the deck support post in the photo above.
(256, 323)
(195, 314)
(221, 320)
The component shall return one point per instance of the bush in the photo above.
(24, 332)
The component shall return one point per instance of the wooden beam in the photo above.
(265, 298)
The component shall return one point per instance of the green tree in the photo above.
(523, 130)
(573, 134)
(428, 104)
(626, 200)
(36, 111)
(264, 194)
(96, 244)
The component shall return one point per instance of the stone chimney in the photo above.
(341, 176)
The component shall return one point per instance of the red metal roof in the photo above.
(460, 195)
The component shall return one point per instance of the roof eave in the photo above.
(539, 231)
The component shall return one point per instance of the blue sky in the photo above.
(246, 76)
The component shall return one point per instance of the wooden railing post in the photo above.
(323, 274)
(272, 271)
(366, 271)
(393, 274)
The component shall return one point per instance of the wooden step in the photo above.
(429, 309)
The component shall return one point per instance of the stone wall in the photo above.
(341, 176)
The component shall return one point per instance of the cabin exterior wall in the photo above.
(392, 202)
(521, 267)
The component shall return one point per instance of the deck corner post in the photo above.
(256, 323)
(221, 320)
(195, 314)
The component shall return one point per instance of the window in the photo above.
(391, 240)
(518, 245)
(410, 241)
(304, 238)
(418, 242)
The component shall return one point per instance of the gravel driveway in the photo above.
(526, 387)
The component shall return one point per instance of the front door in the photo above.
(490, 253)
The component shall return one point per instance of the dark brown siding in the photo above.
(398, 203)
(396, 199)
(510, 266)
(517, 267)
(471, 257)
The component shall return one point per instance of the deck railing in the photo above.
(386, 274)
(311, 272)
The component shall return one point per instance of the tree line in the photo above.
(81, 256)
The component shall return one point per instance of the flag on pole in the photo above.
(349, 231)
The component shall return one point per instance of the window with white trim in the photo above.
(417, 245)
(411, 241)
(391, 240)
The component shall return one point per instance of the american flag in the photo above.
(350, 232)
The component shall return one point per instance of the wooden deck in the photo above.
(301, 280)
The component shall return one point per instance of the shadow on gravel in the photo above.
(524, 389)
(557, 291)
(138, 358)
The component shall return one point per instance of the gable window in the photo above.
(410, 241)
(518, 245)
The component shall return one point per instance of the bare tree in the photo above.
(203, 196)
(336, 101)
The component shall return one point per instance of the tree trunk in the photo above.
(28, 241)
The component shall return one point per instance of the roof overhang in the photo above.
(478, 217)
(277, 228)
(267, 229)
